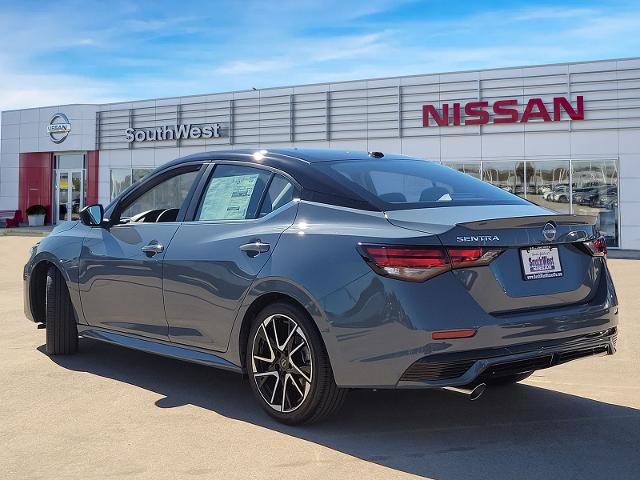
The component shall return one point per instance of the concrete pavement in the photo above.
(117, 413)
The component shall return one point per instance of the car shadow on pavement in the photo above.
(516, 432)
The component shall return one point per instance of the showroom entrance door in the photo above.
(69, 195)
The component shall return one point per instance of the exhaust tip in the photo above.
(477, 392)
(471, 393)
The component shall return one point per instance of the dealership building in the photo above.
(566, 136)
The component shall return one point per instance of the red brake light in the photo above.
(418, 263)
(407, 256)
(472, 256)
(597, 247)
(450, 334)
(406, 263)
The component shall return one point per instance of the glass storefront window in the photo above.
(583, 187)
(139, 173)
(470, 168)
(508, 176)
(548, 184)
(69, 161)
(595, 192)
(122, 178)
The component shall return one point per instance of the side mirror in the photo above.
(92, 215)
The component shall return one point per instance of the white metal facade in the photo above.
(375, 115)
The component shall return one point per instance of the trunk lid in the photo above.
(526, 233)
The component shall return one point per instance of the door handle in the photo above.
(152, 248)
(255, 248)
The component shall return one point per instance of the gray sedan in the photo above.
(316, 271)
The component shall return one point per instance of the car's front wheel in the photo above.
(62, 330)
(288, 366)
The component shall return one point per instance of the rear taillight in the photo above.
(472, 257)
(597, 247)
(418, 263)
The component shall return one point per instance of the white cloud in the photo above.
(243, 67)
(29, 90)
(116, 50)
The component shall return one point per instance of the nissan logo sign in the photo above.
(549, 231)
(59, 128)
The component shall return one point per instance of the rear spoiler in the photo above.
(530, 221)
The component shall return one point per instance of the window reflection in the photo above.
(139, 173)
(595, 192)
(583, 187)
(169, 194)
(122, 178)
(471, 168)
(508, 176)
(548, 184)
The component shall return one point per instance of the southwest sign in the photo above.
(504, 111)
(173, 132)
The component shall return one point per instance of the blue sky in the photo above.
(80, 51)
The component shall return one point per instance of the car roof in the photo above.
(303, 155)
(316, 184)
(299, 163)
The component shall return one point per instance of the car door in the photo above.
(214, 258)
(121, 266)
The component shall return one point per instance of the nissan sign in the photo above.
(504, 111)
(59, 128)
(173, 132)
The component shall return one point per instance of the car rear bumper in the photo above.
(463, 368)
(375, 343)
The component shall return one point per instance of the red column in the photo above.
(92, 177)
(35, 182)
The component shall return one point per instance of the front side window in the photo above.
(233, 193)
(413, 183)
(162, 202)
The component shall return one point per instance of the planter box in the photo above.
(36, 220)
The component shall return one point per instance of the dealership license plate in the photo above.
(541, 262)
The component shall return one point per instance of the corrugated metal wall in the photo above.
(385, 108)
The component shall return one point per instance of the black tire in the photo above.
(322, 396)
(508, 379)
(62, 330)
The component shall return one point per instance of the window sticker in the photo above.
(228, 197)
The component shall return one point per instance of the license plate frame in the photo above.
(541, 262)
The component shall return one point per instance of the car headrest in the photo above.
(393, 197)
(433, 194)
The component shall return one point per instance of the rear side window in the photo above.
(280, 193)
(413, 183)
(233, 193)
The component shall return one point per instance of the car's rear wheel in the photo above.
(288, 366)
(62, 330)
(508, 379)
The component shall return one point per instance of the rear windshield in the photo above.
(413, 183)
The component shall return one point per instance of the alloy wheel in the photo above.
(281, 363)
